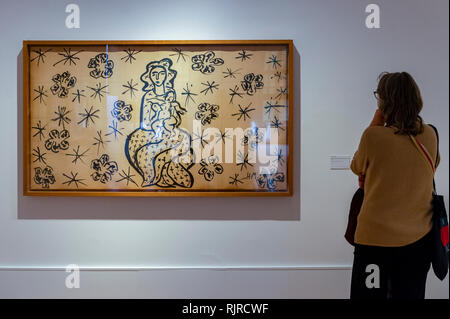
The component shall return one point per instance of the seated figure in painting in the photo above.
(159, 150)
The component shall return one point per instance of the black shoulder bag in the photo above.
(440, 235)
(355, 208)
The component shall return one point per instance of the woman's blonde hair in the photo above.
(401, 102)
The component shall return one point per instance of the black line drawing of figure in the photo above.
(102, 66)
(159, 150)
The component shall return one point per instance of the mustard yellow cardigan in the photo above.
(398, 186)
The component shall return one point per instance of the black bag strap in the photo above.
(437, 154)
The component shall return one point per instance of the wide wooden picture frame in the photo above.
(158, 118)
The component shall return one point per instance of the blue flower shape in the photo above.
(269, 180)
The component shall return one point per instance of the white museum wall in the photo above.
(221, 247)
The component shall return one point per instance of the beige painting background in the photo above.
(71, 172)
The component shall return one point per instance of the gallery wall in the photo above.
(249, 247)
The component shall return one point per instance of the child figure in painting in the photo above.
(159, 150)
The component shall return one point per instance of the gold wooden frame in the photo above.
(27, 191)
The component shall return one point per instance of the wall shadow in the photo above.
(170, 208)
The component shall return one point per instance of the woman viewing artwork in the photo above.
(392, 238)
(159, 150)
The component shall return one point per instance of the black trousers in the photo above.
(391, 272)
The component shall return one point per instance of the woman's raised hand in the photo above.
(378, 119)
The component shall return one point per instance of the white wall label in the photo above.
(340, 162)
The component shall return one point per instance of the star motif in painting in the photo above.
(98, 91)
(40, 157)
(269, 107)
(230, 73)
(280, 160)
(281, 92)
(179, 54)
(73, 179)
(201, 137)
(244, 55)
(88, 116)
(61, 116)
(243, 112)
(243, 161)
(274, 61)
(130, 88)
(115, 130)
(40, 130)
(40, 94)
(235, 92)
(234, 180)
(276, 124)
(78, 95)
(189, 95)
(40, 57)
(99, 141)
(77, 155)
(277, 75)
(130, 55)
(68, 56)
(222, 136)
(127, 176)
(210, 87)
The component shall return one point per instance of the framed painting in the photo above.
(157, 118)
